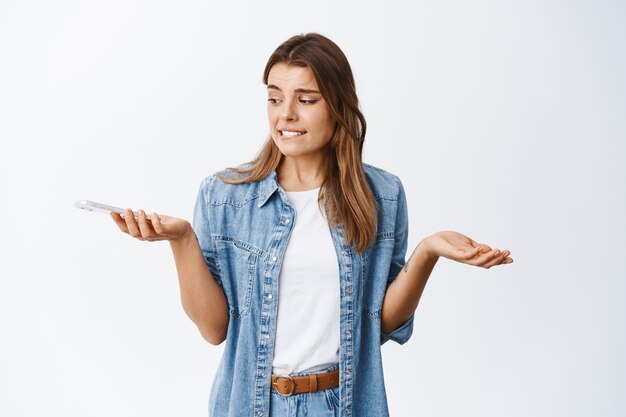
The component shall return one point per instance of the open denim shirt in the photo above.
(243, 232)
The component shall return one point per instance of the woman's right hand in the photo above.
(158, 228)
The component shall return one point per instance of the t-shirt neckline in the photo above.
(311, 191)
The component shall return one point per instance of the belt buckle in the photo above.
(289, 378)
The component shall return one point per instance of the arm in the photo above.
(403, 294)
(202, 299)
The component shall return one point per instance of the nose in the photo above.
(288, 111)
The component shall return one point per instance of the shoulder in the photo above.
(384, 185)
(217, 190)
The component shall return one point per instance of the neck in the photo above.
(300, 174)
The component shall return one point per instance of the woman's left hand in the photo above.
(460, 248)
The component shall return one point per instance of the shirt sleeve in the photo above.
(202, 228)
(403, 333)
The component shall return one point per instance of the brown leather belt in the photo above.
(287, 385)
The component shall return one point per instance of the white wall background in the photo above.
(504, 119)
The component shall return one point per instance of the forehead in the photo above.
(288, 77)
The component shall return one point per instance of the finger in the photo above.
(496, 259)
(485, 248)
(119, 222)
(144, 226)
(465, 254)
(506, 258)
(157, 225)
(483, 258)
(131, 223)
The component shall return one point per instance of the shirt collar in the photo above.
(269, 185)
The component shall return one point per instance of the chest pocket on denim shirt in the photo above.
(237, 262)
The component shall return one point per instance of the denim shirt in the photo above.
(243, 231)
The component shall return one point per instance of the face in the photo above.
(299, 118)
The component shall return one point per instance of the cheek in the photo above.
(329, 128)
(324, 122)
(272, 116)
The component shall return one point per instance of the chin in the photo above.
(291, 153)
(287, 150)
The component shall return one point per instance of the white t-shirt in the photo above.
(307, 328)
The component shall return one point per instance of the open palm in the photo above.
(460, 248)
(158, 228)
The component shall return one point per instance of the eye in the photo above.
(306, 101)
(273, 100)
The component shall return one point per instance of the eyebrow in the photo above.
(297, 90)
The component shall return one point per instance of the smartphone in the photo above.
(101, 208)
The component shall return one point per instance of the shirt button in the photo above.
(343, 252)
(259, 413)
(287, 221)
(264, 375)
(266, 336)
(348, 333)
(269, 296)
(348, 289)
(274, 258)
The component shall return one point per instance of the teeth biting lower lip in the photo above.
(290, 133)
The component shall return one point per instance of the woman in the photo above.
(297, 259)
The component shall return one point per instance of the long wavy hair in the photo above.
(344, 190)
